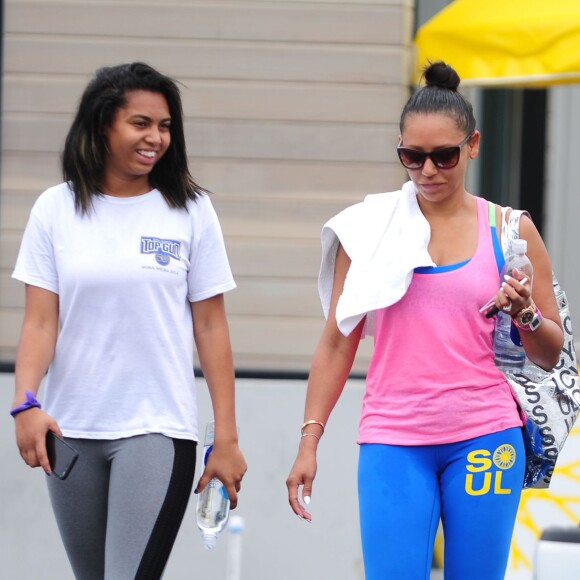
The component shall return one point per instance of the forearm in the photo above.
(216, 361)
(212, 339)
(329, 372)
(35, 353)
(333, 357)
(37, 340)
(543, 346)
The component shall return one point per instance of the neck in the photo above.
(125, 188)
(452, 205)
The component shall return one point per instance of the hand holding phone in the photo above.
(61, 455)
(490, 309)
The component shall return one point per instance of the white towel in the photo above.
(386, 237)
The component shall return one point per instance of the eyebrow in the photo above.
(146, 118)
(421, 149)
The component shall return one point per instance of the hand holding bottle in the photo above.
(516, 288)
(514, 294)
(223, 469)
(226, 463)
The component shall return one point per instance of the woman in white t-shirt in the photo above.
(125, 269)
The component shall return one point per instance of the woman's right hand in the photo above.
(31, 428)
(302, 474)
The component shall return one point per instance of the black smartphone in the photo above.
(61, 455)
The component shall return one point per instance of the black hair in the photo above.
(440, 95)
(85, 150)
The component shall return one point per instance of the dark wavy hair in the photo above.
(85, 149)
(440, 95)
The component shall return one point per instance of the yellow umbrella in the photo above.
(504, 42)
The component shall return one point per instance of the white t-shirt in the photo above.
(125, 275)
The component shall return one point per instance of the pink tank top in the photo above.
(432, 378)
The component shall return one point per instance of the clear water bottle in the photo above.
(213, 503)
(509, 352)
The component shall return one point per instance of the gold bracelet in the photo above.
(311, 435)
(311, 422)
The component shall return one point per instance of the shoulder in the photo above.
(386, 198)
(56, 193)
(200, 205)
(527, 230)
(202, 215)
(526, 223)
(54, 199)
(373, 205)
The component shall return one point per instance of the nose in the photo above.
(429, 168)
(153, 135)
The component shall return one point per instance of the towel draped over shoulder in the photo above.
(386, 237)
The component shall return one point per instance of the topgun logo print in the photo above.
(164, 250)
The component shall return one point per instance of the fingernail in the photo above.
(306, 499)
(196, 490)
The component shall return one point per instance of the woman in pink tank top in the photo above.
(440, 434)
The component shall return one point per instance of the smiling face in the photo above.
(136, 140)
(430, 132)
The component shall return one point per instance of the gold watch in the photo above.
(528, 318)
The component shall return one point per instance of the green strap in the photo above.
(491, 209)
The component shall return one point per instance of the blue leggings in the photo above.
(473, 486)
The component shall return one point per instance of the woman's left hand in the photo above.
(515, 293)
(226, 462)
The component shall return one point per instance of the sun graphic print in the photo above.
(504, 456)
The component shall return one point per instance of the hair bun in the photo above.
(439, 74)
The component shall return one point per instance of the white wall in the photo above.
(563, 193)
(276, 545)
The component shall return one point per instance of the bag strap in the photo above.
(510, 230)
(510, 226)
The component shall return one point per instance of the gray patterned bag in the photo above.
(549, 401)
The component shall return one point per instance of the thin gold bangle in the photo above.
(311, 422)
(310, 435)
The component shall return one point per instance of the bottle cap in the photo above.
(209, 541)
(519, 246)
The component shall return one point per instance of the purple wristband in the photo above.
(30, 403)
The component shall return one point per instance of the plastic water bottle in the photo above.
(213, 503)
(509, 352)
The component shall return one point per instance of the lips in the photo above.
(147, 153)
(428, 186)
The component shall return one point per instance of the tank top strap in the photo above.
(491, 213)
(483, 220)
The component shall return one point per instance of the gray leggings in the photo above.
(121, 507)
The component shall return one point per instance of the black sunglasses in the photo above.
(446, 158)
